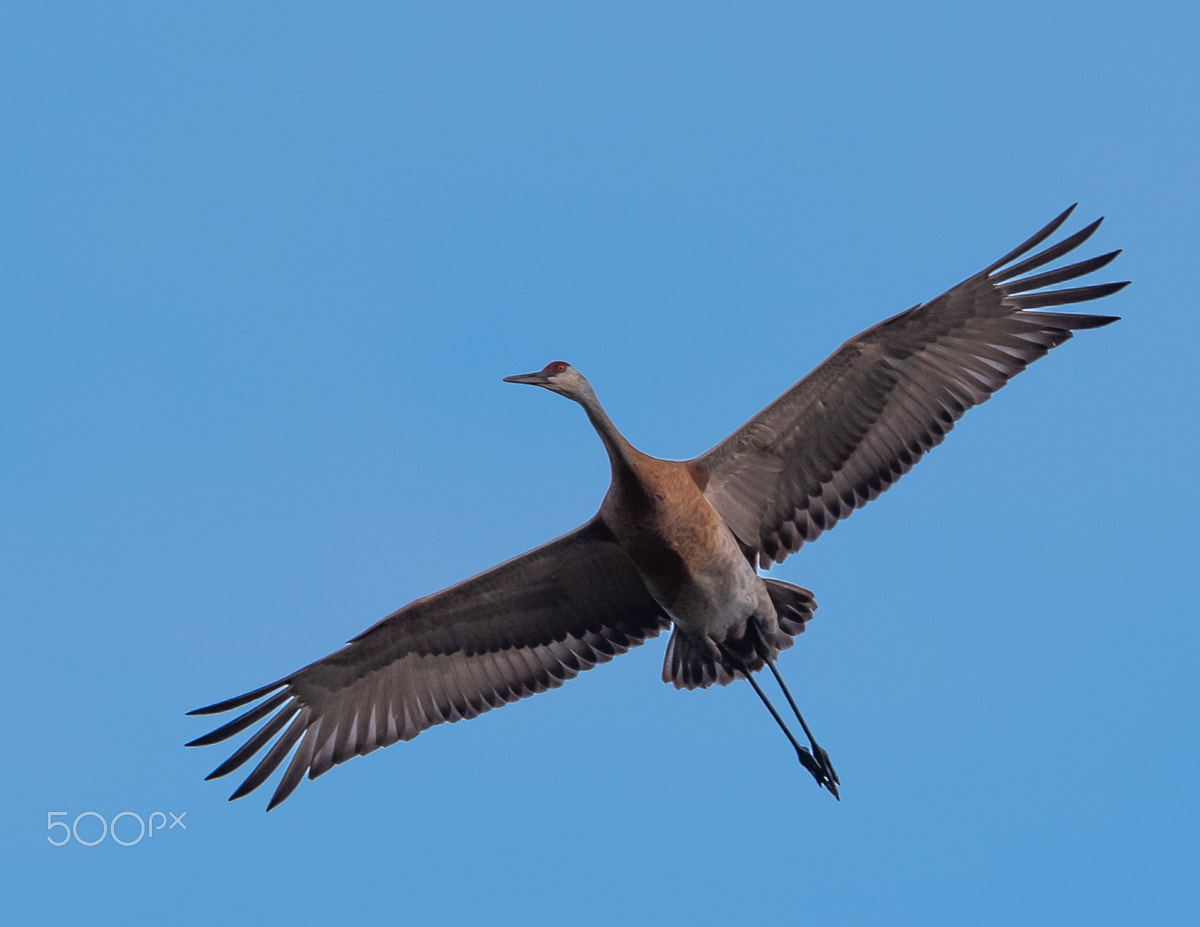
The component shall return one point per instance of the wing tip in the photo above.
(1036, 239)
(277, 799)
(238, 701)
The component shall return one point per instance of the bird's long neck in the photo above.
(621, 454)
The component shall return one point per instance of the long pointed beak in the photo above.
(533, 379)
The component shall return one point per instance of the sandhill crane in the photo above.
(677, 542)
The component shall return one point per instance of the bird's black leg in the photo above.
(764, 651)
(821, 771)
(819, 753)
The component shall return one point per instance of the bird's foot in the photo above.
(821, 769)
(823, 760)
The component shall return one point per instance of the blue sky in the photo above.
(263, 268)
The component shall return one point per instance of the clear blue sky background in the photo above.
(262, 268)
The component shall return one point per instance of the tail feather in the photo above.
(696, 665)
(794, 606)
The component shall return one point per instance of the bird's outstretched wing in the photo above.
(522, 627)
(860, 420)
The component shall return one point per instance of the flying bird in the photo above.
(677, 544)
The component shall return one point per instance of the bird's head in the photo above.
(558, 377)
